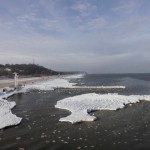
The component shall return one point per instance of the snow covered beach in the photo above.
(28, 80)
(49, 84)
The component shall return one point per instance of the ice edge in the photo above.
(81, 105)
(6, 116)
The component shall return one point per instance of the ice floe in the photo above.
(6, 116)
(81, 105)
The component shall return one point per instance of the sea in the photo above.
(40, 129)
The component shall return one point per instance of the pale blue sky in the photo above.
(97, 36)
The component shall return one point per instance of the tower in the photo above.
(16, 79)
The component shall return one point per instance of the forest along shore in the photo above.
(22, 81)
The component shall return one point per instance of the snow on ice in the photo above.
(6, 116)
(81, 105)
(50, 84)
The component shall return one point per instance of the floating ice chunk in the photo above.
(81, 105)
(6, 116)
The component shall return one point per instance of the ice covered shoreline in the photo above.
(51, 84)
(10, 82)
(9, 119)
(81, 105)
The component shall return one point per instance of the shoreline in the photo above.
(27, 81)
(6, 115)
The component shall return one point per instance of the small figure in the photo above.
(4, 91)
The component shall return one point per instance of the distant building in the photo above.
(7, 69)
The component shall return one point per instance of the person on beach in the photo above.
(4, 91)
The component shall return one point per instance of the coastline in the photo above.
(28, 81)
(47, 83)
(122, 129)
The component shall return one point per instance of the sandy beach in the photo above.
(28, 80)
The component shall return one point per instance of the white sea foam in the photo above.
(81, 105)
(6, 116)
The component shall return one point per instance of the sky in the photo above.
(96, 36)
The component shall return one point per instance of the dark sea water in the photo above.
(40, 129)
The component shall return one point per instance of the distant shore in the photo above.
(28, 81)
